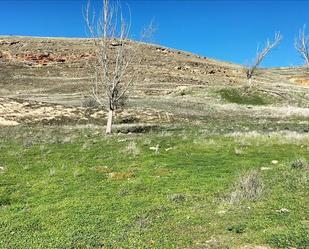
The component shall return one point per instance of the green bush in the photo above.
(240, 96)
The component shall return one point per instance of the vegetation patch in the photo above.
(121, 175)
(293, 238)
(243, 97)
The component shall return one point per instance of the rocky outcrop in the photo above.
(44, 58)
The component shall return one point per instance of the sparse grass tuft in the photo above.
(132, 149)
(238, 151)
(177, 198)
(52, 171)
(248, 187)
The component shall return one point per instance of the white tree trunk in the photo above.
(249, 83)
(109, 122)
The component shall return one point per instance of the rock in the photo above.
(283, 210)
(274, 162)
(265, 168)
(156, 149)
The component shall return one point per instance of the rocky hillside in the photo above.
(169, 85)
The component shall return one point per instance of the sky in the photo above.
(224, 30)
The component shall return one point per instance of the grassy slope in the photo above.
(70, 188)
(81, 190)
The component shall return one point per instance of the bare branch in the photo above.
(262, 54)
(301, 45)
(148, 32)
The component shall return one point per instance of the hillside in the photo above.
(48, 80)
(196, 160)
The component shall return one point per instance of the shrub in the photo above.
(5, 201)
(300, 163)
(239, 228)
(90, 102)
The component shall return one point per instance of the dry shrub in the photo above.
(248, 187)
(90, 102)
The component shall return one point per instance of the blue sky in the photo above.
(225, 30)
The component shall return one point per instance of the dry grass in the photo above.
(271, 138)
(101, 169)
(121, 175)
(248, 187)
(132, 149)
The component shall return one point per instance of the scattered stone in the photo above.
(156, 148)
(283, 210)
(265, 168)
(121, 175)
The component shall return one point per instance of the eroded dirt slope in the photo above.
(50, 78)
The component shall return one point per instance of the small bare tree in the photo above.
(301, 45)
(148, 32)
(260, 55)
(111, 81)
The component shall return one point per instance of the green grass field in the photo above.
(173, 188)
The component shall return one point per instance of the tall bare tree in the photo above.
(260, 55)
(301, 45)
(113, 57)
